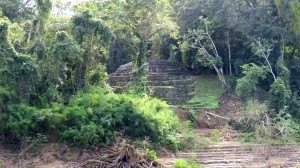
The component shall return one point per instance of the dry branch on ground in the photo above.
(123, 157)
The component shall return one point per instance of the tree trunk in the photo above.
(220, 75)
(271, 70)
(229, 58)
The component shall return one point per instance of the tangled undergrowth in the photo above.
(124, 156)
(264, 126)
(93, 118)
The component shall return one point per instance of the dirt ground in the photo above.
(229, 107)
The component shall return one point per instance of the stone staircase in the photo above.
(230, 153)
(167, 80)
(237, 155)
(172, 82)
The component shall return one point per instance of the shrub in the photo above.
(188, 140)
(17, 121)
(183, 163)
(247, 85)
(255, 118)
(94, 118)
(279, 95)
(215, 135)
(152, 155)
(251, 115)
(131, 115)
(250, 137)
(86, 136)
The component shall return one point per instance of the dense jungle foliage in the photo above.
(55, 57)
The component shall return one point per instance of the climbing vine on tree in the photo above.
(44, 7)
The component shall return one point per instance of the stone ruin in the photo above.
(167, 80)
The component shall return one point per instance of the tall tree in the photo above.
(66, 54)
(139, 24)
(44, 8)
(233, 25)
(18, 72)
(94, 37)
(207, 53)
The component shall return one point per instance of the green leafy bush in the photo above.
(94, 118)
(250, 137)
(247, 85)
(86, 136)
(183, 163)
(152, 154)
(279, 95)
(18, 122)
(215, 135)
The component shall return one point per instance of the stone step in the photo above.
(243, 164)
(209, 160)
(235, 154)
(154, 66)
(174, 101)
(151, 77)
(172, 72)
(164, 68)
(158, 83)
(214, 154)
(218, 165)
(257, 148)
(164, 77)
(178, 73)
(114, 79)
(171, 82)
(122, 73)
(223, 161)
(167, 80)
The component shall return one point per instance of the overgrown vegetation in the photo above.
(261, 127)
(55, 57)
(207, 92)
(188, 140)
(183, 163)
(94, 118)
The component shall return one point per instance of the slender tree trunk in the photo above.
(220, 75)
(229, 57)
(229, 54)
(92, 41)
(30, 32)
(271, 70)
